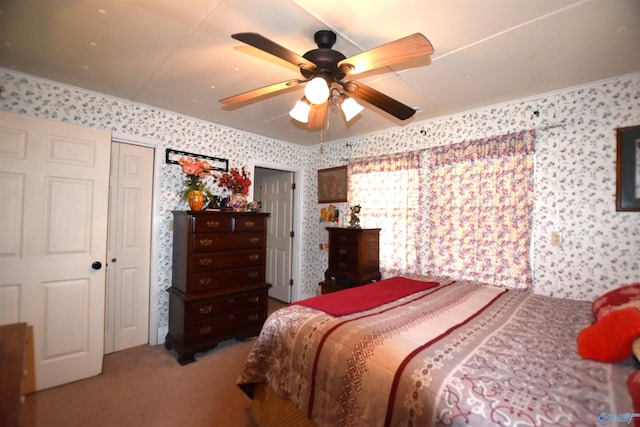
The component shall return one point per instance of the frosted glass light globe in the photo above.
(351, 108)
(300, 111)
(317, 91)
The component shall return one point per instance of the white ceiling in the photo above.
(179, 54)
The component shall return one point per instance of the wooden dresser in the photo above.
(13, 358)
(353, 258)
(218, 287)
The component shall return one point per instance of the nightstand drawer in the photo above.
(341, 264)
(344, 252)
(343, 237)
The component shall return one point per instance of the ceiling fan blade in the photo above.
(317, 115)
(260, 42)
(401, 50)
(255, 93)
(379, 99)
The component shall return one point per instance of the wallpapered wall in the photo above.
(575, 178)
(575, 170)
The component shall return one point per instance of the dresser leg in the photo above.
(186, 358)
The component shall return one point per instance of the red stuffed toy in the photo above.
(610, 338)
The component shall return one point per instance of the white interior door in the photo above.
(129, 247)
(277, 199)
(54, 185)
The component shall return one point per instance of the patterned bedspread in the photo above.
(457, 354)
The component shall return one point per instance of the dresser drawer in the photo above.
(223, 325)
(210, 224)
(209, 242)
(213, 307)
(216, 261)
(249, 224)
(199, 282)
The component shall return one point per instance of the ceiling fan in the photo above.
(324, 71)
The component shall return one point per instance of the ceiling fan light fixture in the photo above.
(300, 111)
(350, 108)
(317, 90)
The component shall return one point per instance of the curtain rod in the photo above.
(559, 125)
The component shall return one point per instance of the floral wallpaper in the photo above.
(574, 171)
(575, 178)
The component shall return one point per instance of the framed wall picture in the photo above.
(332, 185)
(628, 169)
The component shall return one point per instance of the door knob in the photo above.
(96, 265)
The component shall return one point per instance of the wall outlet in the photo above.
(556, 238)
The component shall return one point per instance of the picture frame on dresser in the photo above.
(332, 185)
(628, 169)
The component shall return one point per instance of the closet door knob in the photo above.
(96, 265)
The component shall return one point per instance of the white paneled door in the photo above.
(54, 187)
(277, 199)
(129, 247)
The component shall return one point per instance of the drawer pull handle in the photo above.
(254, 239)
(205, 261)
(205, 281)
(249, 223)
(254, 299)
(343, 238)
(205, 330)
(342, 251)
(231, 317)
(213, 224)
(206, 309)
(206, 242)
(254, 257)
(253, 317)
(342, 264)
(252, 274)
(231, 300)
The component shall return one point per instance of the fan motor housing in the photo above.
(325, 58)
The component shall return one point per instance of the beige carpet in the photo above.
(145, 386)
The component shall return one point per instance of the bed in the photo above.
(430, 352)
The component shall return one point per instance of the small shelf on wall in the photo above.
(217, 163)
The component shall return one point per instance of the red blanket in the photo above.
(361, 298)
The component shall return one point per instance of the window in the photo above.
(388, 190)
(467, 215)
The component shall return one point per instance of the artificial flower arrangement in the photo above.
(196, 170)
(236, 181)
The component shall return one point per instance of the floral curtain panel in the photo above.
(480, 209)
(388, 189)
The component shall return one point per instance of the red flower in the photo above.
(236, 180)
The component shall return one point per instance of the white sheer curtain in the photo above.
(388, 189)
